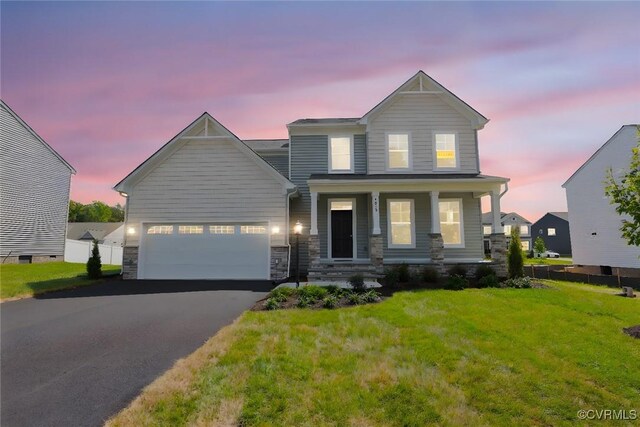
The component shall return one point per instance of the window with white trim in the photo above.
(507, 230)
(551, 231)
(446, 151)
(487, 229)
(222, 229)
(190, 229)
(340, 154)
(451, 222)
(401, 232)
(524, 230)
(398, 151)
(253, 229)
(525, 245)
(160, 229)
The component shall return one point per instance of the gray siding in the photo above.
(34, 193)
(360, 153)
(471, 222)
(280, 161)
(362, 223)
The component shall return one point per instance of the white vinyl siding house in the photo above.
(34, 194)
(594, 224)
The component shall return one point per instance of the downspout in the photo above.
(290, 193)
(506, 188)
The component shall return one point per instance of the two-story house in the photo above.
(400, 184)
(509, 221)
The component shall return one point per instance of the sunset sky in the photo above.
(106, 84)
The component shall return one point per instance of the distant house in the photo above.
(595, 226)
(34, 194)
(107, 233)
(553, 227)
(508, 221)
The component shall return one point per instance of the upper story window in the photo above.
(524, 230)
(487, 229)
(341, 154)
(446, 151)
(507, 229)
(398, 151)
(551, 231)
(451, 222)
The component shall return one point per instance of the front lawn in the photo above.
(20, 280)
(472, 357)
(548, 261)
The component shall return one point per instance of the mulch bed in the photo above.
(633, 331)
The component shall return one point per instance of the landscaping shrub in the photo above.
(281, 294)
(430, 275)
(330, 301)
(484, 270)
(490, 281)
(312, 292)
(515, 260)
(357, 282)
(334, 290)
(539, 246)
(354, 298)
(518, 282)
(403, 273)
(391, 277)
(94, 264)
(304, 301)
(456, 283)
(458, 270)
(370, 296)
(272, 304)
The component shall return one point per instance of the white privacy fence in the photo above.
(79, 251)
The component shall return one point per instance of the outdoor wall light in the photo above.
(275, 229)
(297, 229)
(131, 231)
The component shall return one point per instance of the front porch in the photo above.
(365, 225)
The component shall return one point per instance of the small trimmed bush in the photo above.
(272, 304)
(304, 301)
(370, 296)
(330, 301)
(430, 275)
(281, 294)
(334, 290)
(312, 292)
(484, 270)
(518, 282)
(391, 277)
(456, 283)
(457, 270)
(357, 282)
(490, 281)
(515, 260)
(354, 298)
(403, 273)
(94, 264)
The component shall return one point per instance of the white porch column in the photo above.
(313, 230)
(375, 207)
(435, 212)
(495, 212)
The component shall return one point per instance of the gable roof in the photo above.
(35, 134)
(593, 156)
(168, 148)
(267, 144)
(91, 230)
(424, 80)
(561, 215)
(487, 217)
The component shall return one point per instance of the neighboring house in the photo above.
(509, 221)
(596, 240)
(107, 233)
(34, 194)
(401, 184)
(553, 227)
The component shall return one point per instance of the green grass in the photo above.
(548, 261)
(475, 357)
(20, 280)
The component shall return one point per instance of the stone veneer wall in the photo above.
(499, 253)
(279, 262)
(436, 251)
(376, 253)
(130, 262)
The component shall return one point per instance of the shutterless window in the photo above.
(551, 231)
(253, 229)
(400, 223)
(190, 229)
(525, 245)
(450, 222)
(222, 229)
(160, 229)
(507, 229)
(487, 229)
(446, 150)
(398, 151)
(340, 153)
(524, 230)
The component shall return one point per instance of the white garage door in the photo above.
(204, 251)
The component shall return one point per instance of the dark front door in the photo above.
(342, 234)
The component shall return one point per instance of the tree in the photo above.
(95, 212)
(515, 259)
(625, 194)
(75, 211)
(94, 264)
(117, 213)
(538, 245)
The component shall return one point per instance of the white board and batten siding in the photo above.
(34, 191)
(421, 115)
(593, 222)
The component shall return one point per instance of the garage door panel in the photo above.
(205, 256)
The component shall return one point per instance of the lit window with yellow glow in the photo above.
(446, 152)
(190, 229)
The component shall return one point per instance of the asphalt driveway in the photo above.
(76, 357)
